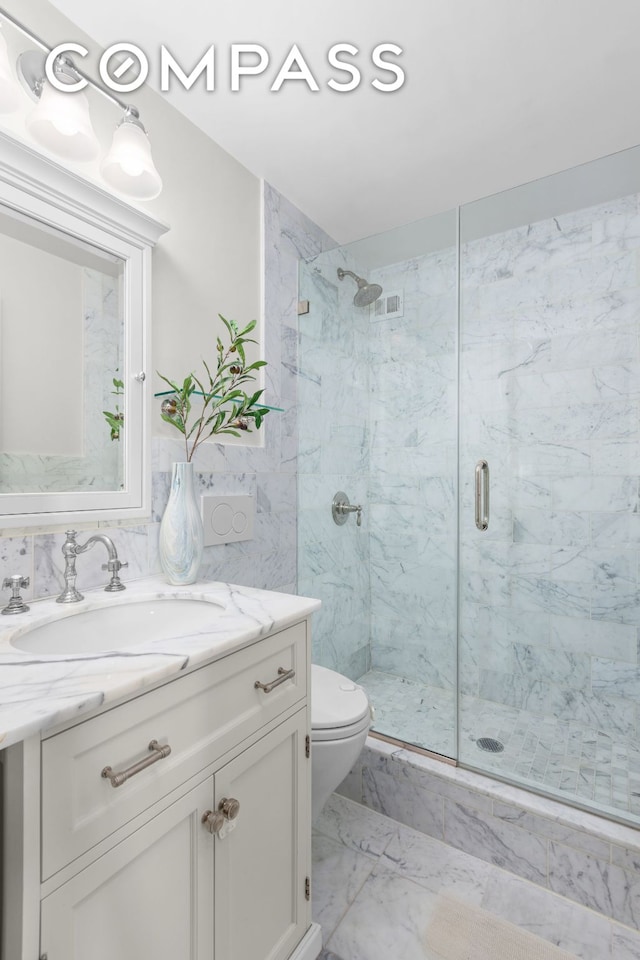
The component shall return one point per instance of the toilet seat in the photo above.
(339, 708)
(340, 733)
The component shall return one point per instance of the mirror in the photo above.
(61, 353)
(74, 340)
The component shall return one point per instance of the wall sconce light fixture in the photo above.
(129, 166)
(61, 121)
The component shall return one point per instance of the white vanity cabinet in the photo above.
(150, 896)
(153, 869)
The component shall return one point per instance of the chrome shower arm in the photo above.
(347, 273)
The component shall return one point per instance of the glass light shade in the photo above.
(129, 167)
(61, 123)
(9, 90)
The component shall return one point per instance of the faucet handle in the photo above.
(15, 583)
(114, 566)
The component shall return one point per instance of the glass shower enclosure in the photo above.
(484, 413)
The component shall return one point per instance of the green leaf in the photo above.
(223, 400)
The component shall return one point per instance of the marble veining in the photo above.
(39, 691)
(573, 757)
(549, 620)
(377, 904)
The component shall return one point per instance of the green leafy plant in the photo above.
(226, 407)
(115, 419)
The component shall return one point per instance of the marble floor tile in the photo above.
(389, 918)
(378, 905)
(573, 928)
(338, 875)
(412, 711)
(625, 944)
(564, 757)
(355, 826)
(437, 866)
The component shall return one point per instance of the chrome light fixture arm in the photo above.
(80, 142)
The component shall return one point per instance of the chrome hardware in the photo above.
(158, 753)
(283, 674)
(214, 821)
(307, 746)
(16, 604)
(307, 888)
(482, 495)
(114, 566)
(71, 549)
(341, 508)
(140, 377)
(228, 809)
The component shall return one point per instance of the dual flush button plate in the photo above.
(227, 519)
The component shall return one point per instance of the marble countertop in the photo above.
(38, 691)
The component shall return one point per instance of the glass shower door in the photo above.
(377, 421)
(549, 389)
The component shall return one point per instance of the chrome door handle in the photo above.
(482, 495)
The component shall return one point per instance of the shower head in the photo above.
(366, 293)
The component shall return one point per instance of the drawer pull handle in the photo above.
(283, 674)
(158, 753)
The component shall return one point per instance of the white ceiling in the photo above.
(497, 92)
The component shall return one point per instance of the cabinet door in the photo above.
(149, 897)
(261, 912)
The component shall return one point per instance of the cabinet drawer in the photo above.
(200, 716)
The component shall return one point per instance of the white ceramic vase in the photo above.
(181, 531)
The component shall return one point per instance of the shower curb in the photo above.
(585, 857)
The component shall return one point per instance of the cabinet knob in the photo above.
(213, 821)
(229, 808)
(219, 822)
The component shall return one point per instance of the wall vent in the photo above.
(389, 306)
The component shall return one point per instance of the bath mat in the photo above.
(460, 932)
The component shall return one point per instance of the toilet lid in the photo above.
(335, 700)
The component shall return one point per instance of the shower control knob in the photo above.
(341, 508)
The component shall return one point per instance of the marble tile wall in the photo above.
(378, 420)
(333, 411)
(585, 858)
(413, 476)
(549, 395)
(267, 472)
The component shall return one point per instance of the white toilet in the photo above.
(340, 721)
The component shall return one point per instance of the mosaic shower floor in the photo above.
(580, 762)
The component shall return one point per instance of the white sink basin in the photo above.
(121, 626)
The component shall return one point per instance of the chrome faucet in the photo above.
(71, 549)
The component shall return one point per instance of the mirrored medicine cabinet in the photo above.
(75, 281)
